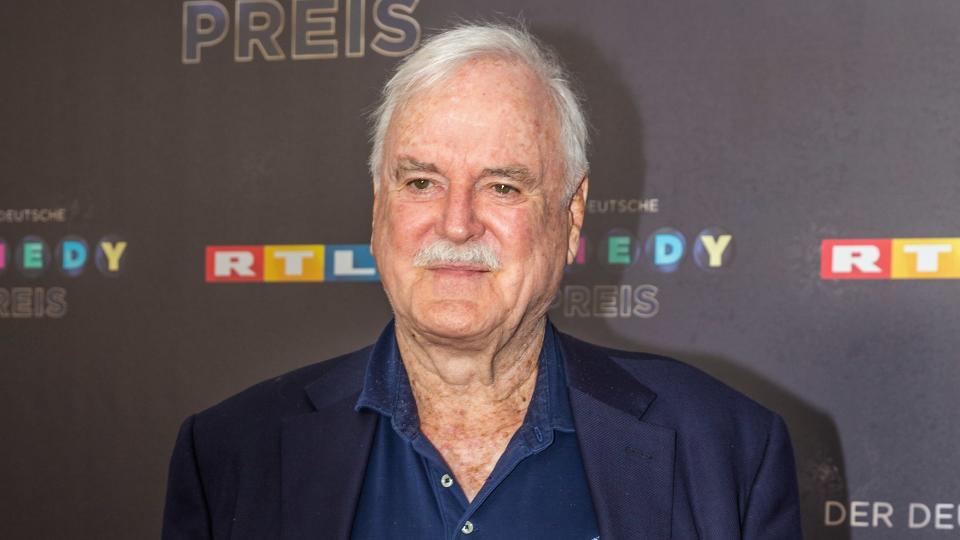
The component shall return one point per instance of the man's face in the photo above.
(474, 162)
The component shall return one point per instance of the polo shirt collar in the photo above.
(386, 390)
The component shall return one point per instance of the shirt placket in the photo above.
(455, 511)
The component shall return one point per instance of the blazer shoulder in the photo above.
(285, 395)
(678, 385)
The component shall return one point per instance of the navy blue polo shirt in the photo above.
(537, 490)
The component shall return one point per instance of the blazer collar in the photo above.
(629, 462)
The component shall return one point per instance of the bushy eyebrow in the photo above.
(409, 164)
(517, 173)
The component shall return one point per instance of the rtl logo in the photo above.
(890, 258)
(290, 263)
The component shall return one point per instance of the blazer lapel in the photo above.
(323, 460)
(629, 463)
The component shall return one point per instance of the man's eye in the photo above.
(419, 183)
(504, 189)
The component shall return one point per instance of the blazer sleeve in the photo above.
(773, 506)
(186, 516)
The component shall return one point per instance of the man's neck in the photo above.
(493, 377)
(471, 402)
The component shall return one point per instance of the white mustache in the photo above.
(446, 252)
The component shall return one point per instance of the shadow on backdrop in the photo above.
(617, 145)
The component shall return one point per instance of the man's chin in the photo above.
(452, 319)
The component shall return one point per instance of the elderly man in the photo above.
(472, 417)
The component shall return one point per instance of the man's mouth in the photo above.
(458, 268)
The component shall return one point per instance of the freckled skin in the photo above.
(470, 339)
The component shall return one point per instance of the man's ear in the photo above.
(576, 208)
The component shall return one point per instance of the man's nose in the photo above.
(460, 222)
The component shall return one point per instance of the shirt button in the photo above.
(467, 528)
(446, 481)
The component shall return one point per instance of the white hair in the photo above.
(444, 53)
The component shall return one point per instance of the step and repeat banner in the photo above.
(185, 211)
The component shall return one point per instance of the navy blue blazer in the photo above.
(669, 452)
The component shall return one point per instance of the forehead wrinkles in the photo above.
(484, 94)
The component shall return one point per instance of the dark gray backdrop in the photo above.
(781, 122)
